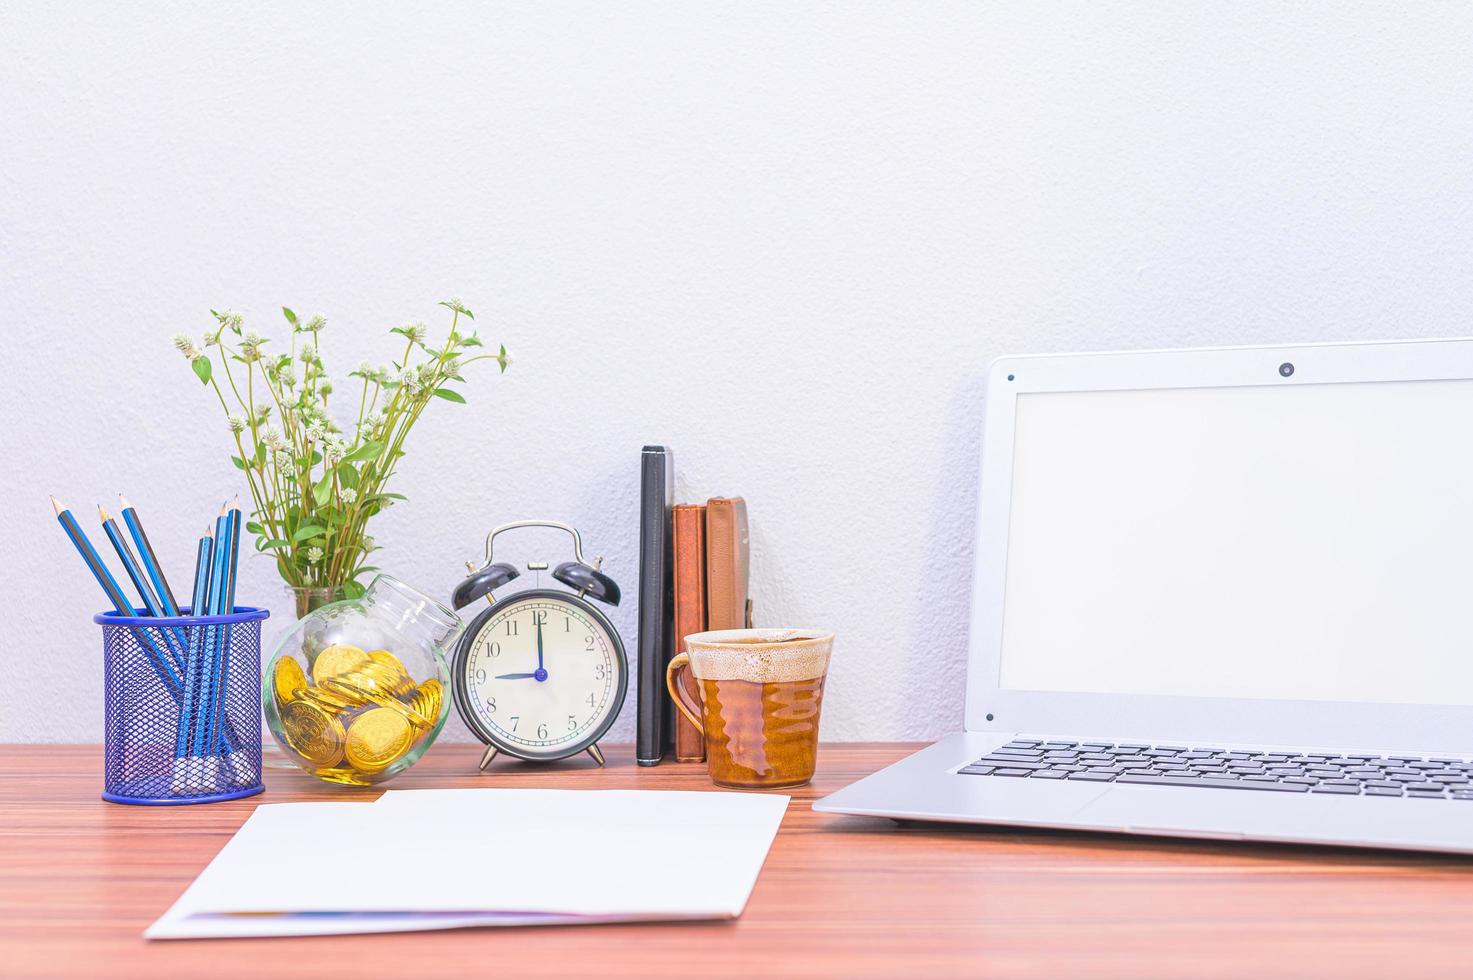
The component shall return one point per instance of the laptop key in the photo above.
(1093, 777)
(1005, 771)
(1214, 781)
(995, 760)
(1383, 791)
(1050, 774)
(975, 770)
(1462, 794)
(1343, 789)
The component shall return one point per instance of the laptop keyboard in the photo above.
(1269, 771)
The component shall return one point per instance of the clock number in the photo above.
(480, 676)
(495, 651)
(491, 703)
(511, 627)
(515, 719)
(573, 721)
(588, 643)
(539, 617)
(541, 731)
(600, 671)
(590, 701)
(567, 624)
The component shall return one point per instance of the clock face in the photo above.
(541, 676)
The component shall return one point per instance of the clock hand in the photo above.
(540, 668)
(514, 677)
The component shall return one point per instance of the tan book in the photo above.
(688, 536)
(727, 564)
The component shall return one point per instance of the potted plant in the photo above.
(315, 482)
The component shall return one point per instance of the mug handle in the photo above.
(690, 709)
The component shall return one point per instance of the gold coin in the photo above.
(315, 734)
(337, 659)
(376, 738)
(330, 700)
(388, 660)
(427, 699)
(288, 680)
(390, 672)
(377, 695)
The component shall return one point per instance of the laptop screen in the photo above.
(1297, 541)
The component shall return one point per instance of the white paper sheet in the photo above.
(437, 859)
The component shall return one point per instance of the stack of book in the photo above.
(694, 564)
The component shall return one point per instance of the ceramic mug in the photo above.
(760, 693)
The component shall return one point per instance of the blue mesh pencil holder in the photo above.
(183, 707)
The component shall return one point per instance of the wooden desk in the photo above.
(839, 896)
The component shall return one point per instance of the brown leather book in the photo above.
(727, 563)
(688, 536)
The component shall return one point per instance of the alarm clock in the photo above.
(542, 673)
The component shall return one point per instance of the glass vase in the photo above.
(359, 689)
(310, 598)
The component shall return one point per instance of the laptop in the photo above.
(1221, 594)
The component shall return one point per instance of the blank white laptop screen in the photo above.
(1304, 542)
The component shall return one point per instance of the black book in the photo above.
(653, 728)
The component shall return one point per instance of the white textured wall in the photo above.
(784, 239)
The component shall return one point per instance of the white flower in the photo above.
(274, 440)
(315, 324)
(284, 458)
(452, 367)
(374, 420)
(250, 347)
(314, 555)
(315, 428)
(325, 388)
(185, 346)
(417, 331)
(231, 320)
(410, 380)
(334, 448)
(236, 423)
(288, 380)
(349, 495)
(262, 414)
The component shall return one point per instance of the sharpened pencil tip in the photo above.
(57, 504)
(123, 502)
(102, 514)
(223, 508)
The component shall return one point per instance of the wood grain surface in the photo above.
(838, 896)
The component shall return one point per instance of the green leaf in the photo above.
(201, 367)
(310, 531)
(290, 317)
(255, 528)
(273, 543)
(471, 341)
(501, 359)
(449, 395)
(260, 452)
(366, 451)
(239, 463)
(353, 590)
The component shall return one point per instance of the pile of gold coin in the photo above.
(361, 714)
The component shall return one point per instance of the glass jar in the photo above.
(359, 689)
(310, 598)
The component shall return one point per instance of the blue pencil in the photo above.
(192, 666)
(225, 605)
(149, 558)
(210, 659)
(150, 601)
(162, 664)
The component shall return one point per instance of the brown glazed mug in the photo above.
(760, 694)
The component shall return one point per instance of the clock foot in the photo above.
(491, 751)
(598, 756)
